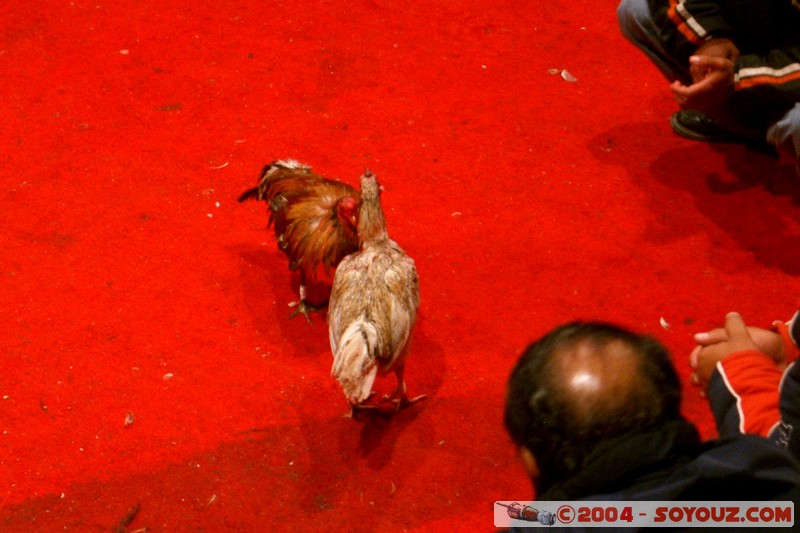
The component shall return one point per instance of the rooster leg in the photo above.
(399, 396)
(303, 306)
(361, 406)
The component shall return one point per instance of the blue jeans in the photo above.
(636, 23)
(638, 27)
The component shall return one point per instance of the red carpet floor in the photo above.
(134, 287)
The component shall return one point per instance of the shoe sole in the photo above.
(686, 133)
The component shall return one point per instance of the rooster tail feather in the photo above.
(354, 364)
(249, 193)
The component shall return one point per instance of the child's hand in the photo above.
(714, 345)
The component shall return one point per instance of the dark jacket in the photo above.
(672, 464)
(767, 33)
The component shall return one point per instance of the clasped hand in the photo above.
(711, 68)
(713, 346)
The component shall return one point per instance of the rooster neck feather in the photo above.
(372, 224)
(310, 225)
(371, 220)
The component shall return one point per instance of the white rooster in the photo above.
(372, 308)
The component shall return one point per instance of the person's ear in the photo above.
(529, 462)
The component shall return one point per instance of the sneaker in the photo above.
(697, 126)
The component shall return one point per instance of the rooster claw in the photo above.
(398, 403)
(360, 408)
(356, 408)
(370, 408)
(403, 401)
(305, 308)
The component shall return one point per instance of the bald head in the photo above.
(600, 380)
(584, 383)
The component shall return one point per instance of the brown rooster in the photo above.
(314, 219)
(373, 307)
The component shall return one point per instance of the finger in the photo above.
(736, 328)
(680, 92)
(693, 357)
(702, 87)
(710, 62)
(695, 91)
(694, 380)
(713, 336)
(698, 72)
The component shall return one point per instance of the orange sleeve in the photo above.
(790, 349)
(753, 379)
